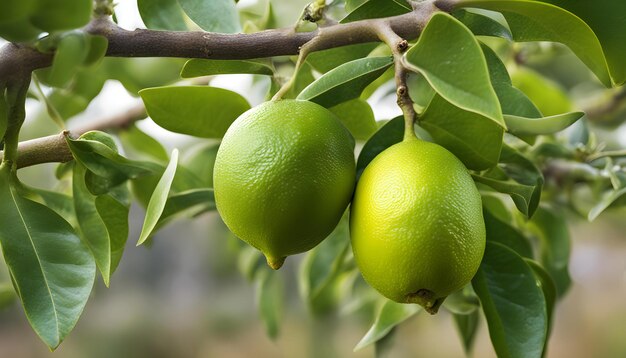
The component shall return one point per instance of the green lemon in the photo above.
(284, 174)
(416, 224)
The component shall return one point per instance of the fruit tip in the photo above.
(426, 299)
(275, 263)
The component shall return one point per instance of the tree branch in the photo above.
(19, 60)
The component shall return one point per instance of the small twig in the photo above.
(304, 52)
(398, 46)
(612, 154)
(119, 121)
(561, 171)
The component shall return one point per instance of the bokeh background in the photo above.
(185, 297)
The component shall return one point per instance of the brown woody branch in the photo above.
(21, 60)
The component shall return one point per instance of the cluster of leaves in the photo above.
(474, 93)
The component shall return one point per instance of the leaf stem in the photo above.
(398, 46)
(287, 86)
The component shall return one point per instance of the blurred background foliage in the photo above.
(197, 291)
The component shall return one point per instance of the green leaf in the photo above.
(213, 15)
(61, 203)
(545, 282)
(70, 54)
(554, 245)
(385, 78)
(389, 134)
(377, 9)
(540, 126)
(450, 58)
(15, 9)
(512, 302)
(53, 271)
(462, 302)
(71, 101)
(195, 110)
(350, 5)
(521, 194)
(467, 327)
(250, 260)
(143, 144)
(139, 73)
(606, 20)
(158, 199)
(19, 30)
(605, 202)
(270, 294)
(114, 214)
(482, 25)
(56, 15)
(346, 81)
(184, 180)
(420, 91)
(92, 228)
(475, 139)
(549, 97)
(199, 67)
(521, 169)
(97, 49)
(389, 316)
(325, 60)
(357, 115)
(201, 161)
(503, 233)
(107, 169)
(494, 202)
(537, 21)
(512, 100)
(516, 176)
(257, 16)
(188, 203)
(321, 269)
(162, 15)
(7, 296)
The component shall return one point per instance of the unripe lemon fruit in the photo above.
(416, 224)
(284, 175)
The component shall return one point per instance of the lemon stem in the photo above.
(304, 52)
(398, 46)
